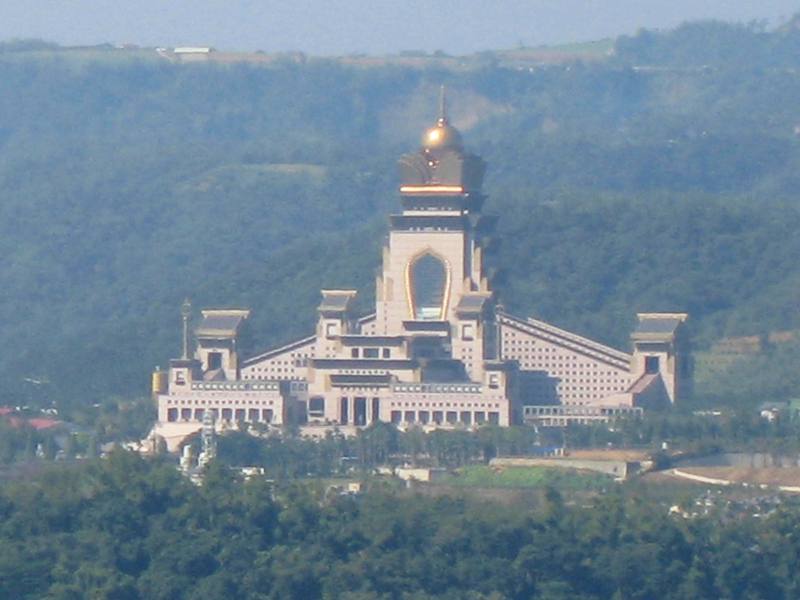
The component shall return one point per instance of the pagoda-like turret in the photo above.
(440, 167)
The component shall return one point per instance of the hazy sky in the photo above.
(352, 26)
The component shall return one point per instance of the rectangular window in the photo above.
(371, 353)
(651, 364)
(316, 406)
(396, 416)
(354, 353)
(494, 381)
(360, 411)
(376, 409)
(387, 353)
(214, 360)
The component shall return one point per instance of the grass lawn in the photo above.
(526, 477)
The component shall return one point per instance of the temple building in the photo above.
(438, 351)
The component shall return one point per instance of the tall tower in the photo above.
(432, 286)
(208, 439)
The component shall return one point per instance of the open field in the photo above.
(526, 477)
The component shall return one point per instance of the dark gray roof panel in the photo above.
(219, 325)
(658, 326)
(472, 303)
(334, 303)
(382, 380)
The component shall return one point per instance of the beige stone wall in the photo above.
(465, 404)
(404, 246)
(368, 325)
(289, 363)
(667, 367)
(229, 358)
(578, 373)
(469, 351)
(256, 406)
(180, 380)
(452, 408)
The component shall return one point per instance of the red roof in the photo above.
(38, 424)
(43, 423)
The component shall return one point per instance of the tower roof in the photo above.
(221, 323)
(441, 166)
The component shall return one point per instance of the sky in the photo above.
(337, 27)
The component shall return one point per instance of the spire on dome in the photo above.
(442, 106)
(441, 136)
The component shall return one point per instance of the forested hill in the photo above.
(662, 177)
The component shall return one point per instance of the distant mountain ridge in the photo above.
(126, 186)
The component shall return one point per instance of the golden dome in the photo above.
(442, 136)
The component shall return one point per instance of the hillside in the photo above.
(655, 179)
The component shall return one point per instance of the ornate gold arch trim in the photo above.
(409, 281)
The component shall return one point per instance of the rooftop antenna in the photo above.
(442, 106)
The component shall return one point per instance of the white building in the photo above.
(437, 351)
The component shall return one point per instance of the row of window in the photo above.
(282, 366)
(439, 417)
(563, 422)
(556, 370)
(443, 405)
(461, 389)
(588, 388)
(512, 344)
(589, 411)
(233, 386)
(370, 353)
(205, 401)
(252, 415)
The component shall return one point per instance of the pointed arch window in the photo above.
(428, 287)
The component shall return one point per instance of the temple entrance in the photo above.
(360, 411)
(376, 410)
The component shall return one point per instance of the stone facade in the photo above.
(437, 351)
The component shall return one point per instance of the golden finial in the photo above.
(442, 135)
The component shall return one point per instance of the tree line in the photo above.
(126, 528)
